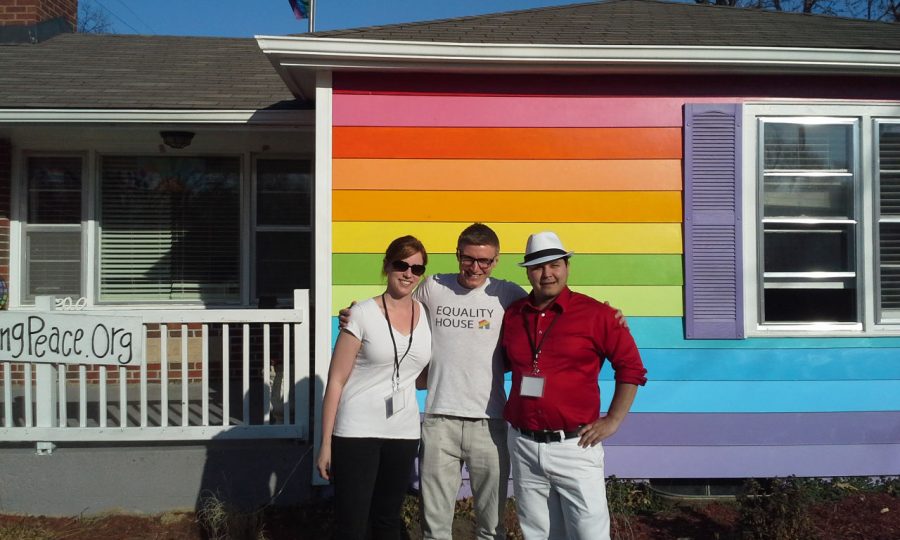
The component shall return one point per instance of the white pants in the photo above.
(560, 489)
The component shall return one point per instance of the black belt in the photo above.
(548, 435)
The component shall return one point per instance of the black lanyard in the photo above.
(536, 345)
(395, 380)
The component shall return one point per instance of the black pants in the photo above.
(370, 478)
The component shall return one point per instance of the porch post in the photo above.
(46, 388)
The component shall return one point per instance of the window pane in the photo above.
(810, 305)
(170, 229)
(53, 264)
(54, 190)
(889, 147)
(799, 196)
(809, 248)
(807, 147)
(282, 263)
(809, 269)
(283, 192)
(890, 265)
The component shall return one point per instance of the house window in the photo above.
(888, 231)
(808, 235)
(165, 229)
(792, 219)
(170, 229)
(282, 227)
(52, 233)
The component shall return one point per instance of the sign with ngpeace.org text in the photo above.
(71, 338)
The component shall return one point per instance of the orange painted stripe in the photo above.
(491, 174)
(506, 143)
(508, 206)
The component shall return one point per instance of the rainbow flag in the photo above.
(300, 8)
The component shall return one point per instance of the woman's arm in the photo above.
(342, 360)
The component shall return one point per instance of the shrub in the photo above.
(778, 508)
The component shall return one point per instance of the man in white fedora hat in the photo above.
(555, 341)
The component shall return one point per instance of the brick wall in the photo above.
(25, 12)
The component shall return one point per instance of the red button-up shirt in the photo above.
(576, 333)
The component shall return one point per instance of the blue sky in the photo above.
(245, 18)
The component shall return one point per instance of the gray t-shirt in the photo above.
(465, 377)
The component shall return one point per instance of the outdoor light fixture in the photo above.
(177, 139)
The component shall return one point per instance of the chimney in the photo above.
(32, 21)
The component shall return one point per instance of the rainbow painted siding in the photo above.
(605, 172)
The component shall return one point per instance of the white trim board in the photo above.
(138, 116)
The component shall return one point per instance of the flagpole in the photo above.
(312, 16)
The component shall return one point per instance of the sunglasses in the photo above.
(403, 266)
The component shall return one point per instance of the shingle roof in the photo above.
(140, 72)
(643, 22)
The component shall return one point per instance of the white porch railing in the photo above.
(253, 382)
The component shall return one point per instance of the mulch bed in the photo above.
(871, 516)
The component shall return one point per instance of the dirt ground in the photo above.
(872, 516)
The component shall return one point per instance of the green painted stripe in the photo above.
(593, 269)
(648, 301)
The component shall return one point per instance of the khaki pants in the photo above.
(447, 443)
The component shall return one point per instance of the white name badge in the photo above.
(532, 386)
(394, 403)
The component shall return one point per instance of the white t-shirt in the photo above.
(362, 411)
(465, 377)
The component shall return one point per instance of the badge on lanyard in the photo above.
(532, 386)
(394, 403)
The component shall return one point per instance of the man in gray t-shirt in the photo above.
(464, 408)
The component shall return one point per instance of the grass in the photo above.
(24, 531)
(221, 521)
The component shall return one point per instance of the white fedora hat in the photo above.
(543, 247)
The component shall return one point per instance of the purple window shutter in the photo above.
(712, 222)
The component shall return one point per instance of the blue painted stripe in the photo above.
(755, 396)
(768, 364)
(762, 396)
(668, 333)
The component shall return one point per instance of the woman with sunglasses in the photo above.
(370, 417)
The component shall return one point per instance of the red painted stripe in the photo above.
(507, 143)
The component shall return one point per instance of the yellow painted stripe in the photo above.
(507, 206)
(636, 301)
(504, 174)
(373, 237)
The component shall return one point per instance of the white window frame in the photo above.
(866, 152)
(90, 226)
(19, 226)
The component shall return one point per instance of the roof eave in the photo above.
(247, 117)
(298, 58)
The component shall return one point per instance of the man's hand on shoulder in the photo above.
(344, 316)
(619, 315)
